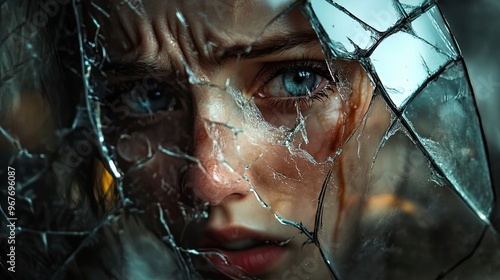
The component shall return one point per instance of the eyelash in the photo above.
(315, 66)
(137, 120)
(268, 72)
(287, 104)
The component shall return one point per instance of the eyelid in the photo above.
(120, 91)
(272, 70)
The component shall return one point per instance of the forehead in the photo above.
(139, 30)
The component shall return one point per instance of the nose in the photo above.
(219, 175)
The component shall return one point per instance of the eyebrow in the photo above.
(135, 68)
(269, 46)
(265, 47)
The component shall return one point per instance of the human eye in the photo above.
(288, 84)
(147, 100)
(144, 102)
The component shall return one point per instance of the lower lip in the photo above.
(253, 262)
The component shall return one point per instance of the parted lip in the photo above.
(218, 238)
(255, 253)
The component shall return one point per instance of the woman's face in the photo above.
(231, 108)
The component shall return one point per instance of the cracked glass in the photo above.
(274, 139)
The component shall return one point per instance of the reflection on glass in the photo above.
(461, 133)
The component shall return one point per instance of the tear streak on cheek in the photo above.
(339, 119)
(324, 130)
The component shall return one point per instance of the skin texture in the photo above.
(236, 135)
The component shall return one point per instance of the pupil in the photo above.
(301, 76)
(163, 101)
(155, 95)
(299, 83)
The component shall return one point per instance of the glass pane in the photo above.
(413, 220)
(347, 37)
(430, 27)
(406, 220)
(342, 203)
(414, 56)
(380, 15)
(404, 63)
(447, 126)
(486, 256)
(410, 5)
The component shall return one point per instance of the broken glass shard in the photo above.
(380, 15)
(342, 203)
(444, 118)
(408, 222)
(405, 60)
(486, 256)
(410, 5)
(431, 27)
(347, 36)
(403, 63)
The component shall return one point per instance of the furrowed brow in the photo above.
(265, 47)
(269, 46)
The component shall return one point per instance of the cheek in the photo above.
(290, 178)
(325, 129)
(331, 125)
(288, 182)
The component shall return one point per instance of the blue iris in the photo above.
(299, 83)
